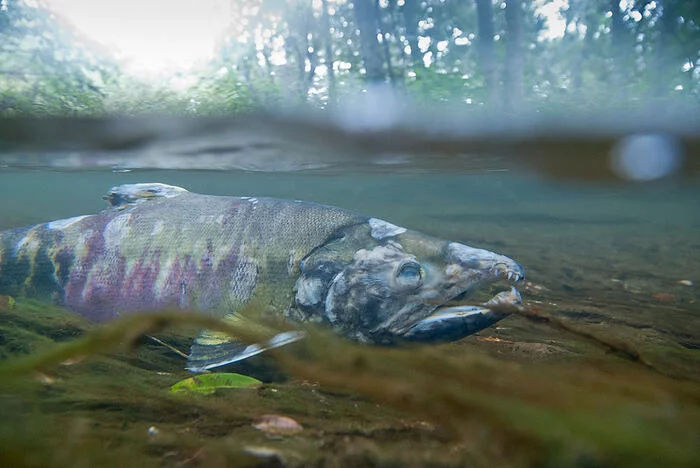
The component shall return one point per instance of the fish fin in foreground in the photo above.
(214, 349)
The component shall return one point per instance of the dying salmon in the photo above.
(162, 246)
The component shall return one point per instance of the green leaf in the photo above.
(206, 384)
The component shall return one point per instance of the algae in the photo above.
(480, 402)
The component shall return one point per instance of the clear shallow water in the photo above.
(606, 230)
(615, 259)
(619, 255)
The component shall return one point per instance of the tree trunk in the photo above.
(578, 14)
(385, 43)
(514, 86)
(663, 59)
(410, 19)
(330, 73)
(591, 18)
(366, 18)
(297, 42)
(487, 50)
(620, 49)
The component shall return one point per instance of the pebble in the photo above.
(663, 297)
(532, 289)
(44, 379)
(275, 425)
(7, 302)
(262, 452)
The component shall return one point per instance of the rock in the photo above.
(663, 297)
(263, 452)
(275, 425)
(531, 289)
(7, 302)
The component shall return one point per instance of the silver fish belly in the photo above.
(162, 246)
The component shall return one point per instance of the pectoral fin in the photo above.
(213, 349)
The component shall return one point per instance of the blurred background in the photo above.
(211, 57)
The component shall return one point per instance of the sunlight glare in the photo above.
(151, 37)
(555, 23)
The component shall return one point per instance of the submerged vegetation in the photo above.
(76, 401)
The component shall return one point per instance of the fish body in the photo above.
(162, 246)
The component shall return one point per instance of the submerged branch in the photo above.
(619, 348)
(126, 331)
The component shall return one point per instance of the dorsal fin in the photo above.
(129, 194)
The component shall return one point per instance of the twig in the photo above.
(170, 347)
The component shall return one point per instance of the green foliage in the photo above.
(129, 96)
(298, 51)
(47, 68)
(225, 92)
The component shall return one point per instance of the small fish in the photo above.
(162, 246)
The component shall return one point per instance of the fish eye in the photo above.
(410, 274)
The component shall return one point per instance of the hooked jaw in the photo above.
(467, 269)
(489, 266)
(453, 323)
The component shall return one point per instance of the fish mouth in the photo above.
(504, 302)
(452, 323)
(499, 272)
(513, 272)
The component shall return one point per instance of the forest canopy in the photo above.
(497, 54)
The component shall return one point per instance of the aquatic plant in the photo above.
(444, 405)
(207, 384)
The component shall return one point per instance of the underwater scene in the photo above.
(600, 365)
(349, 233)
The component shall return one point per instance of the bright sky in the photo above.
(153, 35)
(555, 21)
(161, 36)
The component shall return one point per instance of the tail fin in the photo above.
(11, 274)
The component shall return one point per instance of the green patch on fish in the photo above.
(160, 246)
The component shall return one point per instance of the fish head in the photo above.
(382, 284)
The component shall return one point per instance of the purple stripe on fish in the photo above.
(77, 286)
(139, 291)
(181, 276)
